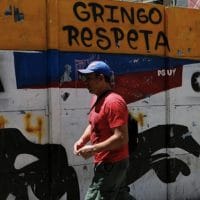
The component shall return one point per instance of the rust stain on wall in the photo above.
(140, 119)
(3, 121)
(36, 128)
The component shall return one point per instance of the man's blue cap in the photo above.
(99, 67)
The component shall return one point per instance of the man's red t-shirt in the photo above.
(110, 112)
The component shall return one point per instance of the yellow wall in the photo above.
(147, 29)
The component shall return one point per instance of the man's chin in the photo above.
(91, 91)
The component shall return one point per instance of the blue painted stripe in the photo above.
(41, 69)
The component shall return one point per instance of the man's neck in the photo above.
(104, 90)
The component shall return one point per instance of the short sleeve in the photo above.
(117, 113)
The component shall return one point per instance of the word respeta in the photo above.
(115, 26)
(106, 39)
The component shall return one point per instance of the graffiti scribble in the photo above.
(195, 81)
(3, 121)
(34, 129)
(17, 14)
(1, 87)
(49, 177)
(160, 137)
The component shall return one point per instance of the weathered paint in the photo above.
(188, 31)
(43, 105)
(36, 128)
(23, 24)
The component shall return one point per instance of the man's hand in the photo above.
(86, 152)
(83, 140)
(77, 146)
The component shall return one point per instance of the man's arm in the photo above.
(118, 139)
(84, 139)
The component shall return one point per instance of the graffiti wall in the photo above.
(154, 53)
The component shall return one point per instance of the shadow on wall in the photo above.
(144, 158)
(50, 177)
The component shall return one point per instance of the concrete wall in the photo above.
(43, 106)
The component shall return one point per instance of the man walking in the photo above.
(107, 133)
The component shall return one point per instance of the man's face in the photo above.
(92, 82)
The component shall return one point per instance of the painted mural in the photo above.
(44, 105)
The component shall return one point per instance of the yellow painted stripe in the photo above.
(103, 26)
(183, 31)
(23, 24)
